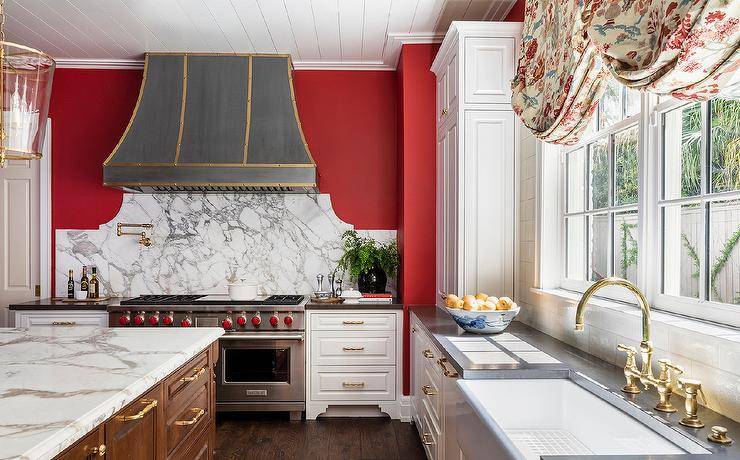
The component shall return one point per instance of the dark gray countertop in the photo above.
(575, 364)
(54, 304)
(355, 306)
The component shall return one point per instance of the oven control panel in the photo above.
(232, 320)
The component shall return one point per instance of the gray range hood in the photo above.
(214, 123)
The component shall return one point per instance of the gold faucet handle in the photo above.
(666, 366)
(631, 351)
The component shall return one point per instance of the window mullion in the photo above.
(705, 183)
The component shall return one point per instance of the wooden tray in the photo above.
(66, 300)
(327, 300)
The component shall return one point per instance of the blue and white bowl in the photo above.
(483, 321)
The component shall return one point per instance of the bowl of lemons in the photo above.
(481, 313)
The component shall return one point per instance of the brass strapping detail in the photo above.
(210, 184)
(182, 108)
(253, 165)
(249, 110)
(133, 115)
(295, 110)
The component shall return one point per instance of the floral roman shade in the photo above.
(684, 48)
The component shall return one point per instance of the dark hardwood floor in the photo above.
(273, 436)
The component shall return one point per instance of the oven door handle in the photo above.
(262, 336)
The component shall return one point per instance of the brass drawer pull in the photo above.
(444, 111)
(353, 384)
(353, 348)
(353, 322)
(425, 439)
(195, 375)
(198, 414)
(427, 390)
(442, 362)
(150, 404)
(428, 353)
(64, 323)
(100, 450)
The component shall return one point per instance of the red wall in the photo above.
(516, 14)
(417, 173)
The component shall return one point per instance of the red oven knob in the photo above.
(154, 319)
(124, 320)
(168, 319)
(241, 320)
(274, 320)
(288, 320)
(139, 319)
(186, 322)
(227, 323)
(256, 320)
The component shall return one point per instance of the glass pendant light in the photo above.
(25, 89)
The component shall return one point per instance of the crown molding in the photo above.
(72, 63)
(394, 43)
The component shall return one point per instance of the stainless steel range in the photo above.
(261, 364)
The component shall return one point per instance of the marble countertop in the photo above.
(59, 304)
(59, 383)
(394, 305)
(602, 378)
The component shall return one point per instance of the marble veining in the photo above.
(59, 383)
(277, 241)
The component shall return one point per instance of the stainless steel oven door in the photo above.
(261, 367)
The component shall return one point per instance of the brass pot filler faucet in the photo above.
(663, 383)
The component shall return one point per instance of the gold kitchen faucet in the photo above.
(663, 383)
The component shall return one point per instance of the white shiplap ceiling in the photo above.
(325, 34)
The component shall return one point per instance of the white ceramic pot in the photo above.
(242, 291)
(351, 296)
(483, 322)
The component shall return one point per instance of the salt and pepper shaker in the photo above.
(320, 281)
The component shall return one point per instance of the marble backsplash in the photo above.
(277, 241)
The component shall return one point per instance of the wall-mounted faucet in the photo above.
(663, 383)
(143, 239)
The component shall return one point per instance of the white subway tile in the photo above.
(695, 346)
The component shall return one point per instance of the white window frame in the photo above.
(551, 259)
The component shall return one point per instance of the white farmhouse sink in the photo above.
(531, 417)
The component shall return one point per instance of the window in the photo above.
(652, 194)
(601, 193)
(700, 201)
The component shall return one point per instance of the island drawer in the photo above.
(341, 348)
(353, 322)
(200, 449)
(186, 418)
(187, 379)
(86, 448)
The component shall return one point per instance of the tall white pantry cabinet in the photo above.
(477, 158)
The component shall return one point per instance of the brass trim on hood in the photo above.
(133, 115)
(182, 106)
(249, 110)
(206, 165)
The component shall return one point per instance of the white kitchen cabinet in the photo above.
(353, 362)
(477, 153)
(434, 396)
(29, 318)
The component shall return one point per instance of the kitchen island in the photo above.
(60, 384)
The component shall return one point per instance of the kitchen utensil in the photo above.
(320, 281)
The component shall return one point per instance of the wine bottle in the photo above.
(70, 286)
(84, 282)
(94, 291)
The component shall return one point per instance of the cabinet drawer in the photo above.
(341, 348)
(187, 418)
(430, 436)
(353, 322)
(358, 383)
(187, 379)
(430, 388)
(200, 449)
(61, 318)
(87, 448)
(132, 433)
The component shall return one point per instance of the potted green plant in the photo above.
(368, 262)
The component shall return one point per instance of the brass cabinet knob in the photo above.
(426, 439)
(719, 435)
(427, 390)
(428, 353)
(99, 451)
(444, 111)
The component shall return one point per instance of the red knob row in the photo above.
(227, 323)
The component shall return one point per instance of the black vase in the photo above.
(372, 282)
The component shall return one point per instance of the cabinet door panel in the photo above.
(452, 208)
(131, 434)
(489, 67)
(489, 203)
(61, 318)
(87, 448)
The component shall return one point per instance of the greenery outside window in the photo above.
(652, 194)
